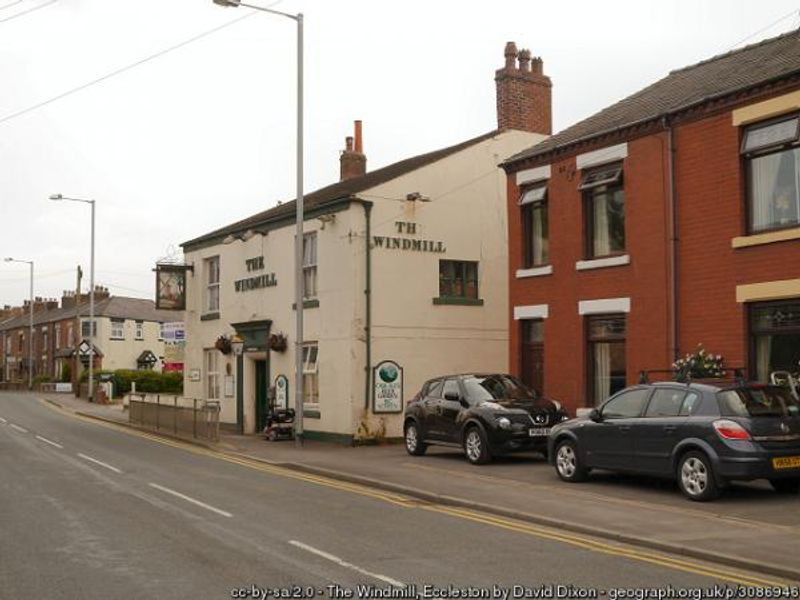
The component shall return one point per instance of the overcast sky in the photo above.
(204, 135)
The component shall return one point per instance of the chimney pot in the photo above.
(348, 143)
(359, 145)
(524, 61)
(511, 55)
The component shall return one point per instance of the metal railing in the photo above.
(187, 417)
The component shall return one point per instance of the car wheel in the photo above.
(696, 477)
(785, 486)
(568, 465)
(476, 447)
(414, 444)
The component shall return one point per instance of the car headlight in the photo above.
(504, 423)
(564, 418)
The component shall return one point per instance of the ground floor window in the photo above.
(310, 373)
(606, 355)
(532, 353)
(212, 374)
(774, 338)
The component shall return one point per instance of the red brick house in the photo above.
(668, 219)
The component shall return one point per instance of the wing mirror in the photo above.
(595, 415)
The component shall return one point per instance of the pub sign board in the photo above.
(387, 381)
(171, 287)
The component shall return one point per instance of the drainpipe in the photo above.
(368, 302)
(673, 237)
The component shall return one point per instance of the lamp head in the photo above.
(8, 259)
(226, 2)
(56, 197)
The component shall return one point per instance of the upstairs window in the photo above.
(771, 154)
(117, 329)
(458, 279)
(310, 266)
(139, 330)
(533, 204)
(212, 284)
(85, 331)
(604, 211)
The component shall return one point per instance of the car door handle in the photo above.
(624, 428)
(670, 428)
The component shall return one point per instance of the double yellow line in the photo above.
(717, 572)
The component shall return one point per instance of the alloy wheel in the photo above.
(411, 438)
(565, 461)
(473, 445)
(694, 476)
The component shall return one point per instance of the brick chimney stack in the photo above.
(524, 93)
(353, 162)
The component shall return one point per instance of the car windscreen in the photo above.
(758, 402)
(496, 387)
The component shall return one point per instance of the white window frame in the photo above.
(92, 327)
(58, 336)
(117, 329)
(310, 265)
(139, 335)
(211, 366)
(311, 374)
(212, 278)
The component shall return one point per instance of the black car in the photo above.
(486, 415)
(701, 435)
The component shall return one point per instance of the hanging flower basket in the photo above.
(223, 344)
(699, 364)
(277, 342)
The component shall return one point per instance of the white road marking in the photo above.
(192, 500)
(46, 441)
(18, 428)
(347, 565)
(3, 421)
(102, 464)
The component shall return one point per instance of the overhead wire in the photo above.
(795, 12)
(26, 12)
(121, 70)
(10, 4)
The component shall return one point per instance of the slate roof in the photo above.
(723, 75)
(338, 191)
(117, 307)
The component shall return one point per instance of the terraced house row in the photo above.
(667, 220)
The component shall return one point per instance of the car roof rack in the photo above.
(685, 375)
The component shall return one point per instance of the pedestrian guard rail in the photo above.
(180, 416)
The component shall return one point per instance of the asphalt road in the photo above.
(89, 511)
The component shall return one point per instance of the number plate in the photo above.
(538, 431)
(786, 462)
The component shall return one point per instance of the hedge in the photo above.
(151, 382)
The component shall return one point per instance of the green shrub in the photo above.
(147, 382)
(66, 372)
(42, 379)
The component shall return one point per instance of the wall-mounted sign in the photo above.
(387, 381)
(194, 374)
(255, 282)
(281, 391)
(405, 243)
(171, 286)
(174, 336)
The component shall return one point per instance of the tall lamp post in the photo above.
(298, 241)
(59, 197)
(30, 323)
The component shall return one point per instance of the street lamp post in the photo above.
(59, 197)
(298, 242)
(30, 323)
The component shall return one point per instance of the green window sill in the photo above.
(311, 414)
(307, 304)
(458, 301)
(212, 316)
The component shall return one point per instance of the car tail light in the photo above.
(730, 430)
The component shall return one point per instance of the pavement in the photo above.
(750, 527)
